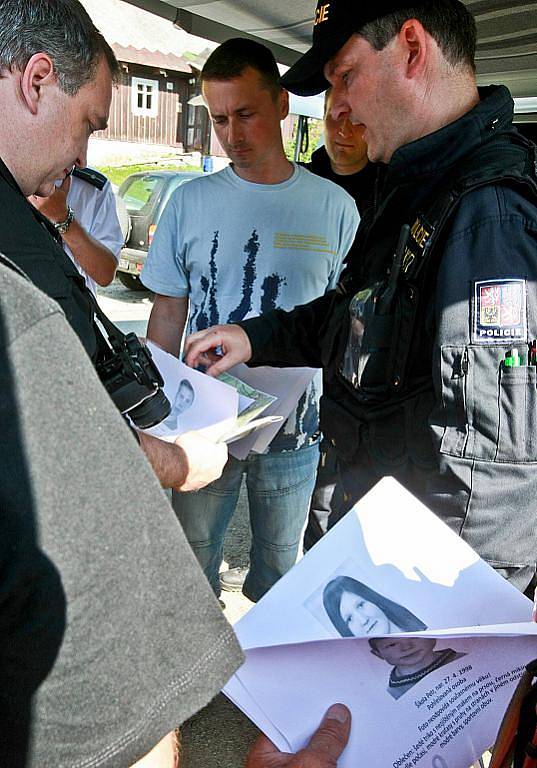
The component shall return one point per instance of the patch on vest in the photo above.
(499, 311)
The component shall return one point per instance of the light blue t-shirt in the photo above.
(238, 249)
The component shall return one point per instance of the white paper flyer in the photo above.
(394, 615)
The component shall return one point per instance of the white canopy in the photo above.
(507, 30)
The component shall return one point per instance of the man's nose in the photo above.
(339, 107)
(345, 127)
(234, 134)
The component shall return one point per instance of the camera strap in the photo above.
(115, 335)
(121, 363)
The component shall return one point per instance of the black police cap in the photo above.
(334, 23)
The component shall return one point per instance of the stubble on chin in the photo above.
(238, 163)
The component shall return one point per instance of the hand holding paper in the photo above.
(205, 461)
(323, 750)
(387, 615)
(246, 408)
(188, 464)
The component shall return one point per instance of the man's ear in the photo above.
(375, 652)
(415, 44)
(38, 72)
(284, 103)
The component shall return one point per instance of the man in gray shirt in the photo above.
(104, 650)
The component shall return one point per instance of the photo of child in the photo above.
(411, 658)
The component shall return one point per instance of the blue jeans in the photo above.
(279, 489)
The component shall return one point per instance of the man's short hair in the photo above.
(60, 28)
(449, 22)
(185, 384)
(231, 58)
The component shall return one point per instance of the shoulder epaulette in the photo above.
(91, 176)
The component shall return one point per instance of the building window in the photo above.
(144, 97)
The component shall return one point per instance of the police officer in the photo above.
(343, 160)
(83, 210)
(429, 366)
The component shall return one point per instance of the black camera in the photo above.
(129, 375)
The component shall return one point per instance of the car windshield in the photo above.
(137, 191)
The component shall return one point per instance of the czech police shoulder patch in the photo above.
(499, 311)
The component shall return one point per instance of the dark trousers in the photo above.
(321, 501)
(341, 485)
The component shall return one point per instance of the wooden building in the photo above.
(150, 104)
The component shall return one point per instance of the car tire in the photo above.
(132, 282)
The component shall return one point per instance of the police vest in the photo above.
(381, 325)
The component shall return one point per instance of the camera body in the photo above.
(131, 378)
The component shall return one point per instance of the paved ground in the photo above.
(219, 735)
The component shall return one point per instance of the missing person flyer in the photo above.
(415, 701)
(395, 616)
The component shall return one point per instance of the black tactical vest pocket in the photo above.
(489, 410)
(341, 429)
(370, 334)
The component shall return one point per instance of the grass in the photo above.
(118, 173)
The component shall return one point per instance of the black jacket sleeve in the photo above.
(302, 336)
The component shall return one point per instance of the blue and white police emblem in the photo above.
(499, 311)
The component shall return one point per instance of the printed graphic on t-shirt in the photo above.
(207, 314)
(293, 242)
(499, 311)
(303, 421)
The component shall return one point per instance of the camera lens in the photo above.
(152, 411)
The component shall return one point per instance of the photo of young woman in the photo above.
(356, 610)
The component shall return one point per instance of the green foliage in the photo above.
(315, 131)
(118, 173)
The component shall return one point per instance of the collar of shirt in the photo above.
(442, 149)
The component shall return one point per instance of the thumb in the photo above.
(331, 738)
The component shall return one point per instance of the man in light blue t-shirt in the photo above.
(261, 234)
